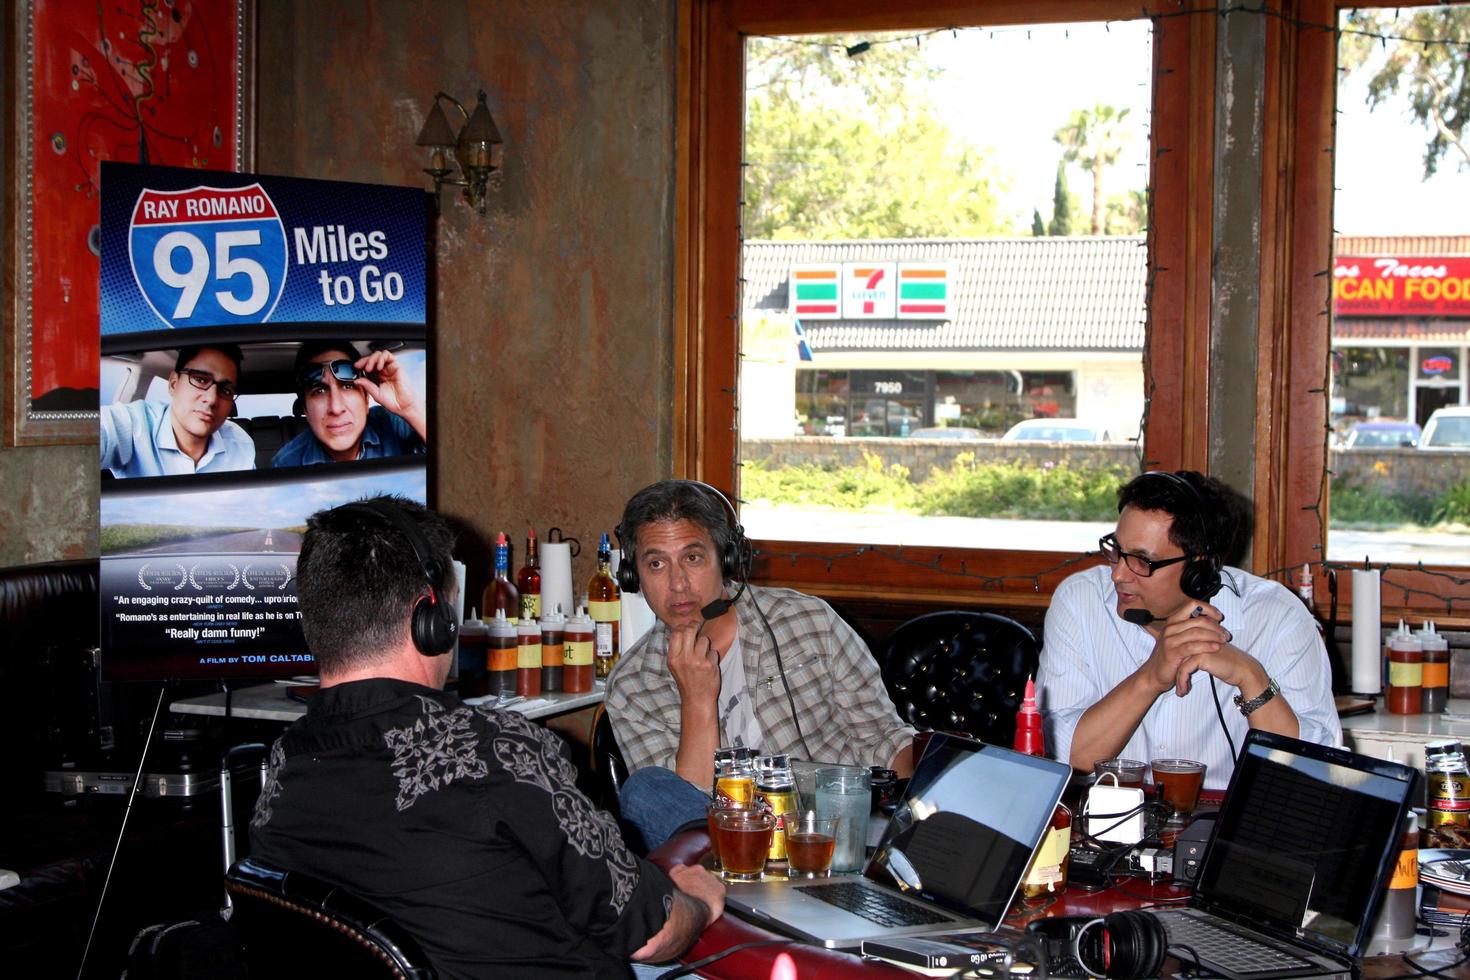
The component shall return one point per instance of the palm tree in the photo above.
(1095, 138)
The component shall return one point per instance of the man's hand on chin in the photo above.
(694, 664)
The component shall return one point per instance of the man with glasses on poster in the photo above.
(334, 383)
(1166, 652)
(189, 433)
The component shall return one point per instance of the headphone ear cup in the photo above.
(1139, 944)
(1200, 579)
(627, 574)
(432, 630)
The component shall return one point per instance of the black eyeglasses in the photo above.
(1137, 564)
(341, 369)
(203, 380)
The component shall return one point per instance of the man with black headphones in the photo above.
(1133, 648)
(463, 823)
(771, 669)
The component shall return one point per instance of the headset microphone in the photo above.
(721, 605)
(1139, 617)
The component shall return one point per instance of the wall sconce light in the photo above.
(476, 149)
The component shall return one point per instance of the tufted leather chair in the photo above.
(295, 925)
(959, 670)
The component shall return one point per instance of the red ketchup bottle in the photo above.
(1047, 874)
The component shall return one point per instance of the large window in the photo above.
(1399, 422)
(1067, 345)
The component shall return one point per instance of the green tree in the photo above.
(849, 146)
(1061, 204)
(1094, 139)
(1126, 213)
(1038, 227)
(1435, 78)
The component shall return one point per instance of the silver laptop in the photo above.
(1294, 872)
(950, 859)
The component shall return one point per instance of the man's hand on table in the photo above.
(699, 901)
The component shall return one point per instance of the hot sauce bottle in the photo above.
(528, 658)
(605, 604)
(580, 639)
(528, 580)
(1047, 874)
(553, 648)
(500, 657)
(1405, 695)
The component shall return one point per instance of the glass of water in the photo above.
(846, 792)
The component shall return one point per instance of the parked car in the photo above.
(1056, 430)
(943, 432)
(1447, 428)
(1379, 435)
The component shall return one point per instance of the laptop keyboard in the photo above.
(876, 906)
(1226, 947)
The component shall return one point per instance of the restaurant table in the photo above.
(273, 702)
(815, 962)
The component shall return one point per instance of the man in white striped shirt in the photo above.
(1144, 656)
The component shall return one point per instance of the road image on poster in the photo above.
(264, 357)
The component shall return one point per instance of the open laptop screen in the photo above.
(1302, 839)
(968, 823)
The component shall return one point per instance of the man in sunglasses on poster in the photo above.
(189, 433)
(1166, 652)
(334, 383)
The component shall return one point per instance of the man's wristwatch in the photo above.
(1247, 707)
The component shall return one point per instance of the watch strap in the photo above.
(1247, 707)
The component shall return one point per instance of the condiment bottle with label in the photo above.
(1047, 874)
(1405, 694)
(553, 649)
(734, 776)
(775, 790)
(500, 657)
(605, 604)
(528, 658)
(528, 580)
(578, 657)
(1447, 794)
(500, 594)
(1436, 669)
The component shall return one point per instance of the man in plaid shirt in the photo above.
(771, 669)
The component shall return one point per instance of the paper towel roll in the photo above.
(458, 613)
(1367, 632)
(637, 618)
(556, 577)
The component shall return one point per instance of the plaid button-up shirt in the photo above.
(845, 711)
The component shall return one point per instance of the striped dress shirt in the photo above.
(1089, 650)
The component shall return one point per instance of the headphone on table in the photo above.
(736, 555)
(1120, 944)
(1200, 578)
(432, 624)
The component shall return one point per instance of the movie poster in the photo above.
(264, 357)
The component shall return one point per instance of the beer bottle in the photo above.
(605, 604)
(775, 790)
(528, 579)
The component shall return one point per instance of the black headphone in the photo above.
(432, 624)
(736, 555)
(1200, 578)
(1121, 944)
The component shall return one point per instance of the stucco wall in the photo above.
(552, 390)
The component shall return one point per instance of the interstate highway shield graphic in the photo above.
(208, 256)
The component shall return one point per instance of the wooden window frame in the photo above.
(707, 271)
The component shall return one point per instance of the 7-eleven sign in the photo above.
(869, 290)
(923, 291)
(814, 289)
